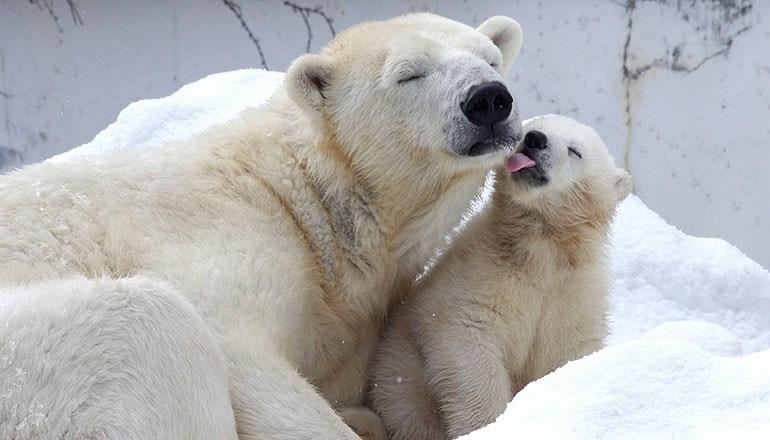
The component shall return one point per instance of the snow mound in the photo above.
(646, 389)
(689, 350)
(191, 109)
(662, 274)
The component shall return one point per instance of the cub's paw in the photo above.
(365, 422)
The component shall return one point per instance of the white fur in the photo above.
(71, 348)
(521, 292)
(238, 281)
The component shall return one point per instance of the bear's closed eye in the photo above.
(411, 77)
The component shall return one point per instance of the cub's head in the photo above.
(418, 88)
(564, 168)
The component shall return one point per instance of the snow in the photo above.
(644, 389)
(689, 350)
(662, 275)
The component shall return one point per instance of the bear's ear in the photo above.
(307, 79)
(623, 184)
(505, 33)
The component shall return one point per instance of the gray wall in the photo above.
(680, 89)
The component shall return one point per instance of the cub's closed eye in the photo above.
(411, 78)
(575, 152)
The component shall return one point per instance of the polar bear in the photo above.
(236, 283)
(522, 290)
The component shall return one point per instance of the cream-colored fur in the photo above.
(254, 262)
(521, 292)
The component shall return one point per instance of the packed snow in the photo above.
(689, 350)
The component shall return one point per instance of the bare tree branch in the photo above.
(305, 12)
(235, 8)
(48, 6)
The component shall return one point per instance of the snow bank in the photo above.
(210, 101)
(662, 275)
(645, 389)
(689, 351)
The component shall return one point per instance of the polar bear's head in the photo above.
(420, 87)
(565, 167)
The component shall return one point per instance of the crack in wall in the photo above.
(627, 79)
(6, 97)
(305, 13)
(730, 11)
(674, 62)
(76, 18)
(235, 8)
(9, 156)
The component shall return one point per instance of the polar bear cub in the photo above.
(521, 292)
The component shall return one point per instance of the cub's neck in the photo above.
(565, 232)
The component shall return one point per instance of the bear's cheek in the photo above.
(416, 115)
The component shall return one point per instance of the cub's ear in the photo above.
(623, 184)
(505, 33)
(307, 79)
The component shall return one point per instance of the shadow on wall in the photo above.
(9, 159)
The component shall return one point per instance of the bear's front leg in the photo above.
(272, 401)
(468, 379)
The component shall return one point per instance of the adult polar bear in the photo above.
(228, 285)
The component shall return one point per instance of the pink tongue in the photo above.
(519, 161)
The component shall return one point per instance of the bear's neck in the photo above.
(387, 220)
(566, 235)
(413, 203)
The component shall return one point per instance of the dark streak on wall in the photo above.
(235, 8)
(9, 158)
(305, 13)
(719, 20)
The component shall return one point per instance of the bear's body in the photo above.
(280, 238)
(520, 292)
(84, 359)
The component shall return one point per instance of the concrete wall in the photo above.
(679, 88)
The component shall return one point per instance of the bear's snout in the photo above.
(487, 103)
(535, 140)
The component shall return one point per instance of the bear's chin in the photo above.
(530, 177)
(485, 147)
(503, 141)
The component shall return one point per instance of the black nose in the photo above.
(487, 103)
(536, 140)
